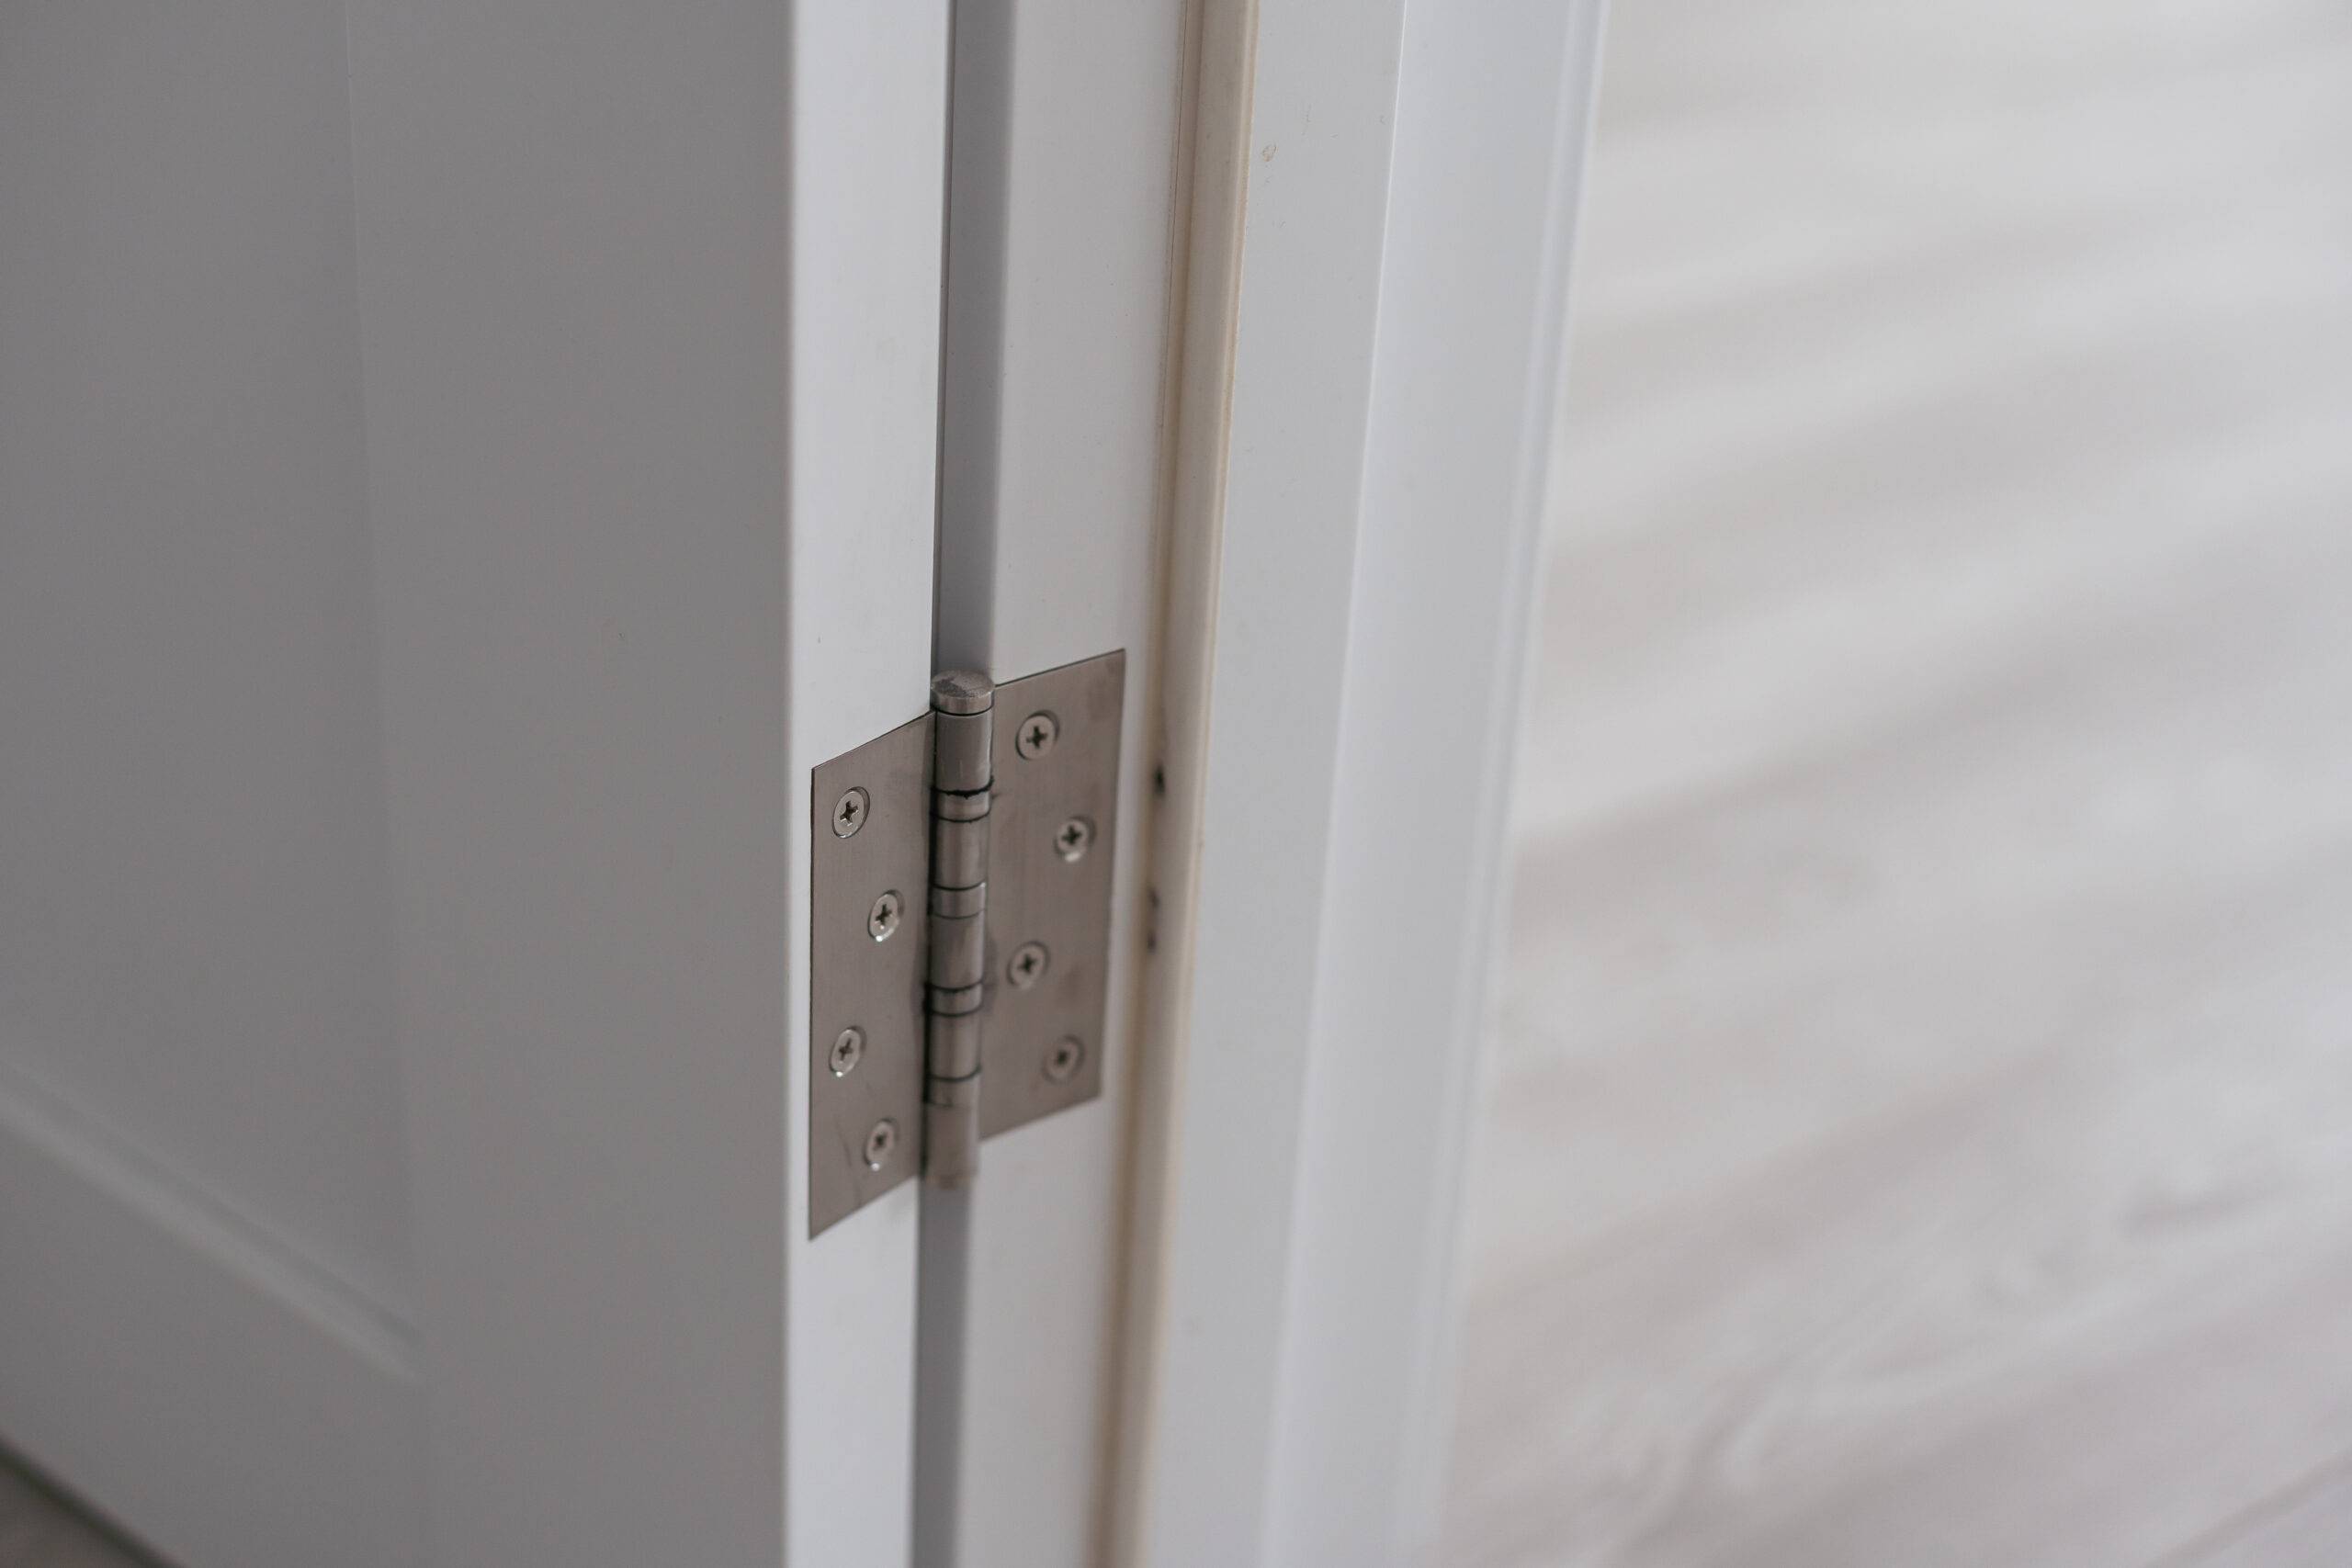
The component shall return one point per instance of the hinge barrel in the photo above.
(959, 845)
(962, 705)
(958, 938)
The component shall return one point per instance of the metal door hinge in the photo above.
(959, 940)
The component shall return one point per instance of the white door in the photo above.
(461, 467)
(469, 476)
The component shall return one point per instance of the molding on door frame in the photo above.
(1210, 198)
(1382, 212)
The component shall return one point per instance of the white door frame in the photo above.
(1379, 284)
(1063, 154)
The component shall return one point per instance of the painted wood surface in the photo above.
(459, 470)
(1062, 158)
(40, 1529)
(1922, 1126)
(1341, 761)
(207, 1302)
(649, 311)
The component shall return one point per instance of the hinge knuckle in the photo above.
(962, 692)
(969, 806)
(956, 943)
(956, 902)
(942, 1003)
(962, 706)
(959, 851)
(959, 754)
(952, 1044)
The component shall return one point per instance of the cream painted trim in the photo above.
(1205, 294)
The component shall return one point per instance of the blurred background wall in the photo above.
(1922, 1128)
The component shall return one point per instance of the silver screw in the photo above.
(848, 1046)
(849, 813)
(883, 918)
(1063, 1058)
(1072, 842)
(879, 1143)
(1028, 965)
(1038, 732)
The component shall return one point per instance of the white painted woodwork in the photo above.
(651, 322)
(1493, 113)
(1063, 159)
(194, 908)
(461, 468)
(1411, 178)
(207, 1283)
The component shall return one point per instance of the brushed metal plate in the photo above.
(1037, 895)
(856, 982)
